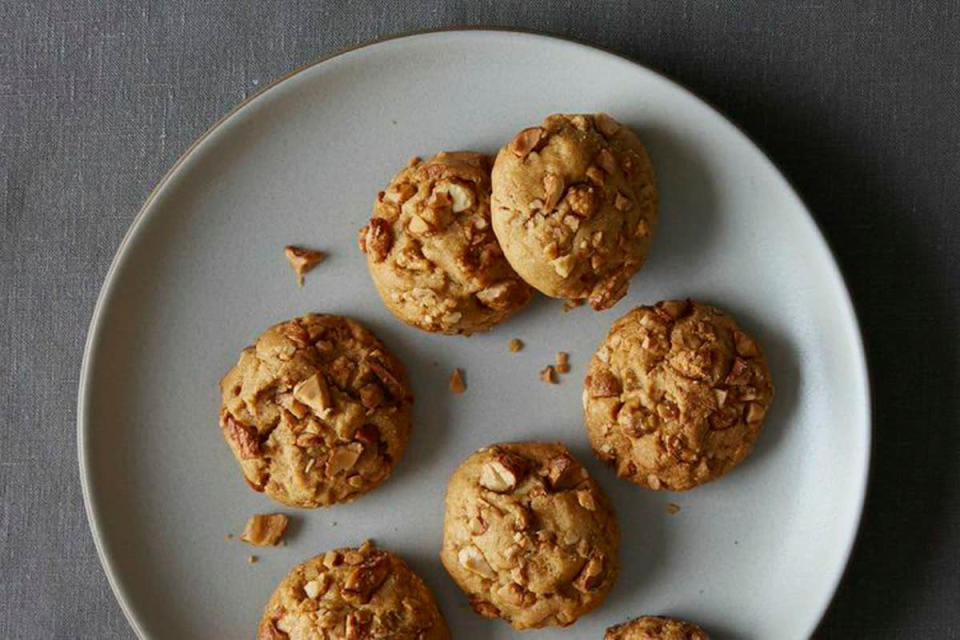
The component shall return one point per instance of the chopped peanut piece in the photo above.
(457, 385)
(516, 345)
(563, 362)
(303, 260)
(265, 530)
(548, 374)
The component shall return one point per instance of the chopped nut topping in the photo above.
(503, 473)
(563, 362)
(553, 190)
(607, 125)
(564, 265)
(562, 472)
(597, 176)
(418, 226)
(622, 202)
(755, 413)
(643, 229)
(586, 500)
(547, 374)
(590, 576)
(484, 608)
(303, 260)
(378, 239)
(570, 305)
(366, 578)
(604, 384)
(343, 458)
(317, 587)
(582, 199)
(265, 530)
(457, 384)
(472, 559)
(244, 437)
(516, 345)
(745, 345)
(606, 161)
(526, 141)
(314, 393)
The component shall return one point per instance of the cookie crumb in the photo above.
(548, 374)
(516, 345)
(253, 559)
(570, 305)
(457, 385)
(265, 529)
(563, 362)
(302, 260)
(673, 508)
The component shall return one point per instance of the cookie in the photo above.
(655, 628)
(574, 206)
(676, 394)
(316, 412)
(528, 535)
(352, 593)
(431, 251)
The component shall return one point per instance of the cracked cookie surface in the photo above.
(352, 594)
(431, 250)
(574, 206)
(676, 395)
(655, 628)
(316, 412)
(528, 535)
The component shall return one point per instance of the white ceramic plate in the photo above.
(757, 554)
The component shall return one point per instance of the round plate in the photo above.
(756, 554)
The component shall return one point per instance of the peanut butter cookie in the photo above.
(431, 250)
(676, 394)
(574, 206)
(316, 412)
(360, 593)
(529, 536)
(655, 628)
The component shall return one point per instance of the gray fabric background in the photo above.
(860, 107)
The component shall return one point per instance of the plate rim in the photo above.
(95, 327)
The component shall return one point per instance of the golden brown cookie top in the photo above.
(675, 395)
(528, 535)
(574, 206)
(317, 411)
(432, 253)
(359, 593)
(655, 628)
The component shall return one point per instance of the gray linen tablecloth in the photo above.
(858, 103)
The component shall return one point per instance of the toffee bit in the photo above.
(303, 260)
(457, 384)
(548, 374)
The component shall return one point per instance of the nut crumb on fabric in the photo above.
(253, 559)
(457, 384)
(548, 374)
(673, 508)
(303, 260)
(516, 345)
(265, 529)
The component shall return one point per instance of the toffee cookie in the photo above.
(360, 593)
(676, 394)
(432, 253)
(316, 412)
(574, 206)
(528, 535)
(655, 628)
